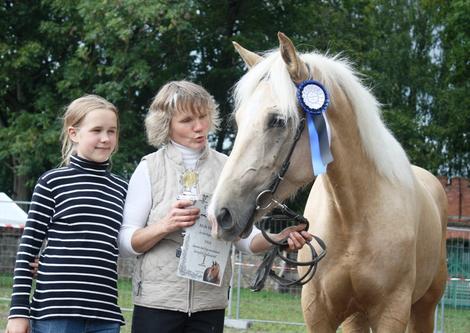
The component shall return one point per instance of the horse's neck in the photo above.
(352, 178)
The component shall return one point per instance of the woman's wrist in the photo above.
(146, 238)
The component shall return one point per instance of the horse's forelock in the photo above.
(272, 70)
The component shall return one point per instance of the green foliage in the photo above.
(54, 52)
(414, 55)
(264, 305)
(451, 109)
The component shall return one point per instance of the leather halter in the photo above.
(265, 268)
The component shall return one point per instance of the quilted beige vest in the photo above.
(155, 283)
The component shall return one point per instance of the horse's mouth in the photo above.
(235, 233)
(247, 231)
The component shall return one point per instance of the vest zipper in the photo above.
(190, 305)
(139, 288)
(139, 283)
(190, 291)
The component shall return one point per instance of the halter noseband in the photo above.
(265, 268)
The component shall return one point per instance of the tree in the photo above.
(414, 55)
(28, 76)
(451, 107)
(53, 52)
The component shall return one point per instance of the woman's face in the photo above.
(190, 129)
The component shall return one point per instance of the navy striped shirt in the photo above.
(77, 210)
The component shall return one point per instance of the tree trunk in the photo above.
(20, 190)
(227, 61)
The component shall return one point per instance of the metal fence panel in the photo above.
(274, 309)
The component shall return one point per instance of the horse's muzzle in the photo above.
(228, 227)
(225, 220)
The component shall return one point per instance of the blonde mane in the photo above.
(378, 143)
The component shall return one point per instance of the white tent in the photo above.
(10, 213)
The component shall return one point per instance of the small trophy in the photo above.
(189, 185)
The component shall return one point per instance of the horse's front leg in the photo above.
(316, 315)
(393, 314)
(356, 323)
(325, 302)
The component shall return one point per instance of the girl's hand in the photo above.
(17, 325)
(181, 215)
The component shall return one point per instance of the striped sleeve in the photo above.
(39, 217)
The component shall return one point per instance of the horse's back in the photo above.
(433, 187)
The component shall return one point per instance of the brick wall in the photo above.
(458, 195)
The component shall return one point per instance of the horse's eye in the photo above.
(276, 121)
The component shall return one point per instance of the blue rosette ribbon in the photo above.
(314, 100)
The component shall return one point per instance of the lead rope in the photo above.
(265, 268)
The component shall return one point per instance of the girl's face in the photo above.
(96, 136)
(190, 129)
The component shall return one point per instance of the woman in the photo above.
(179, 119)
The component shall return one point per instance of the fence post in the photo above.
(239, 283)
(442, 315)
(230, 297)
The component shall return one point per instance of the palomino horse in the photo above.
(383, 220)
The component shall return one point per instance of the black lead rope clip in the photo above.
(265, 268)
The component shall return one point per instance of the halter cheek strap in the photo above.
(264, 201)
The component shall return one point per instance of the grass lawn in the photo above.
(263, 305)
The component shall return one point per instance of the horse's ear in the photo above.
(250, 58)
(296, 67)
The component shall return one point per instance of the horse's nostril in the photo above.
(224, 218)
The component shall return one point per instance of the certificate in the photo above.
(203, 258)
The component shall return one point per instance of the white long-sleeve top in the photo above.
(139, 203)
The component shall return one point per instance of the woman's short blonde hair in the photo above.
(74, 115)
(175, 97)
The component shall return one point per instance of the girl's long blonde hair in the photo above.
(74, 115)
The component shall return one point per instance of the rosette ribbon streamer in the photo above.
(314, 100)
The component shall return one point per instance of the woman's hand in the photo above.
(297, 237)
(34, 266)
(17, 325)
(181, 215)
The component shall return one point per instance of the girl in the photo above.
(77, 210)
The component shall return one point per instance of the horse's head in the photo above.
(215, 268)
(267, 117)
(211, 273)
